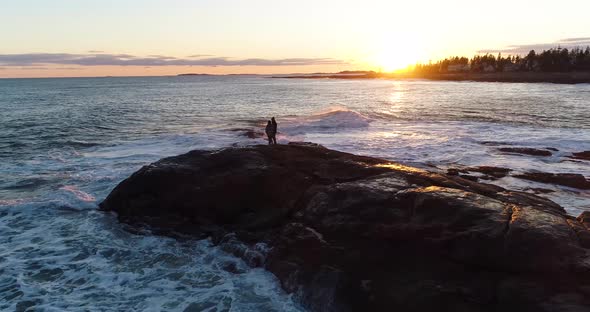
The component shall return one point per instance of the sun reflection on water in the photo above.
(398, 92)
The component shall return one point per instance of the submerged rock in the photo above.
(491, 172)
(540, 190)
(456, 171)
(581, 155)
(352, 233)
(574, 180)
(526, 151)
(486, 172)
(494, 143)
(250, 133)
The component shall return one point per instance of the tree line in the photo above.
(552, 60)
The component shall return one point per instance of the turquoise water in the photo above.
(65, 143)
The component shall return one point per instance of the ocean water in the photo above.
(65, 143)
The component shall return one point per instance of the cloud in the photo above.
(525, 48)
(32, 59)
(95, 51)
(582, 40)
(200, 55)
(41, 68)
(163, 57)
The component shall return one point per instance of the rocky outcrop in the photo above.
(352, 233)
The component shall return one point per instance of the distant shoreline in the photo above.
(518, 77)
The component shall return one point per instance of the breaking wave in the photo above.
(333, 120)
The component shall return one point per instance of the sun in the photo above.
(394, 57)
(395, 53)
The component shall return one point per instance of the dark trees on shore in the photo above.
(552, 60)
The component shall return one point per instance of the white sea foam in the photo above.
(81, 195)
(84, 260)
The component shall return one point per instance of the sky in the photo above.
(56, 38)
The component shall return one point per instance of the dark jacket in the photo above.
(274, 125)
(270, 129)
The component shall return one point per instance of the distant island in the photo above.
(213, 75)
(558, 65)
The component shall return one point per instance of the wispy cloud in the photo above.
(525, 48)
(100, 59)
(40, 68)
(34, 68)
(581, 40)
(200, 55)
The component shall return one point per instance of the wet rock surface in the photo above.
(352, 233)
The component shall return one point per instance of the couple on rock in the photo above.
(271, 131)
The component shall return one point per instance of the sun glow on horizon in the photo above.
(395, 52)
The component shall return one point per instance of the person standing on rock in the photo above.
(274, 129)
(270, 132)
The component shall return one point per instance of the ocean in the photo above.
(65, 143)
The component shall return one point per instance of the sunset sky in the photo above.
(43, 38)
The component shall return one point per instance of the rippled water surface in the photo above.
(65, 143)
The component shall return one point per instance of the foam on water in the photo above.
(57, 252)
(81, 195)
(83, 260)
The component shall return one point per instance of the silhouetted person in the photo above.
(270, 132)
(274, 129)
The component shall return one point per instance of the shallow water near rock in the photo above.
(65, 143)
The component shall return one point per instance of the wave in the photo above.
(342, 119)
(333, 120)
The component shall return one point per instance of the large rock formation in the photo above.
(351, 233)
